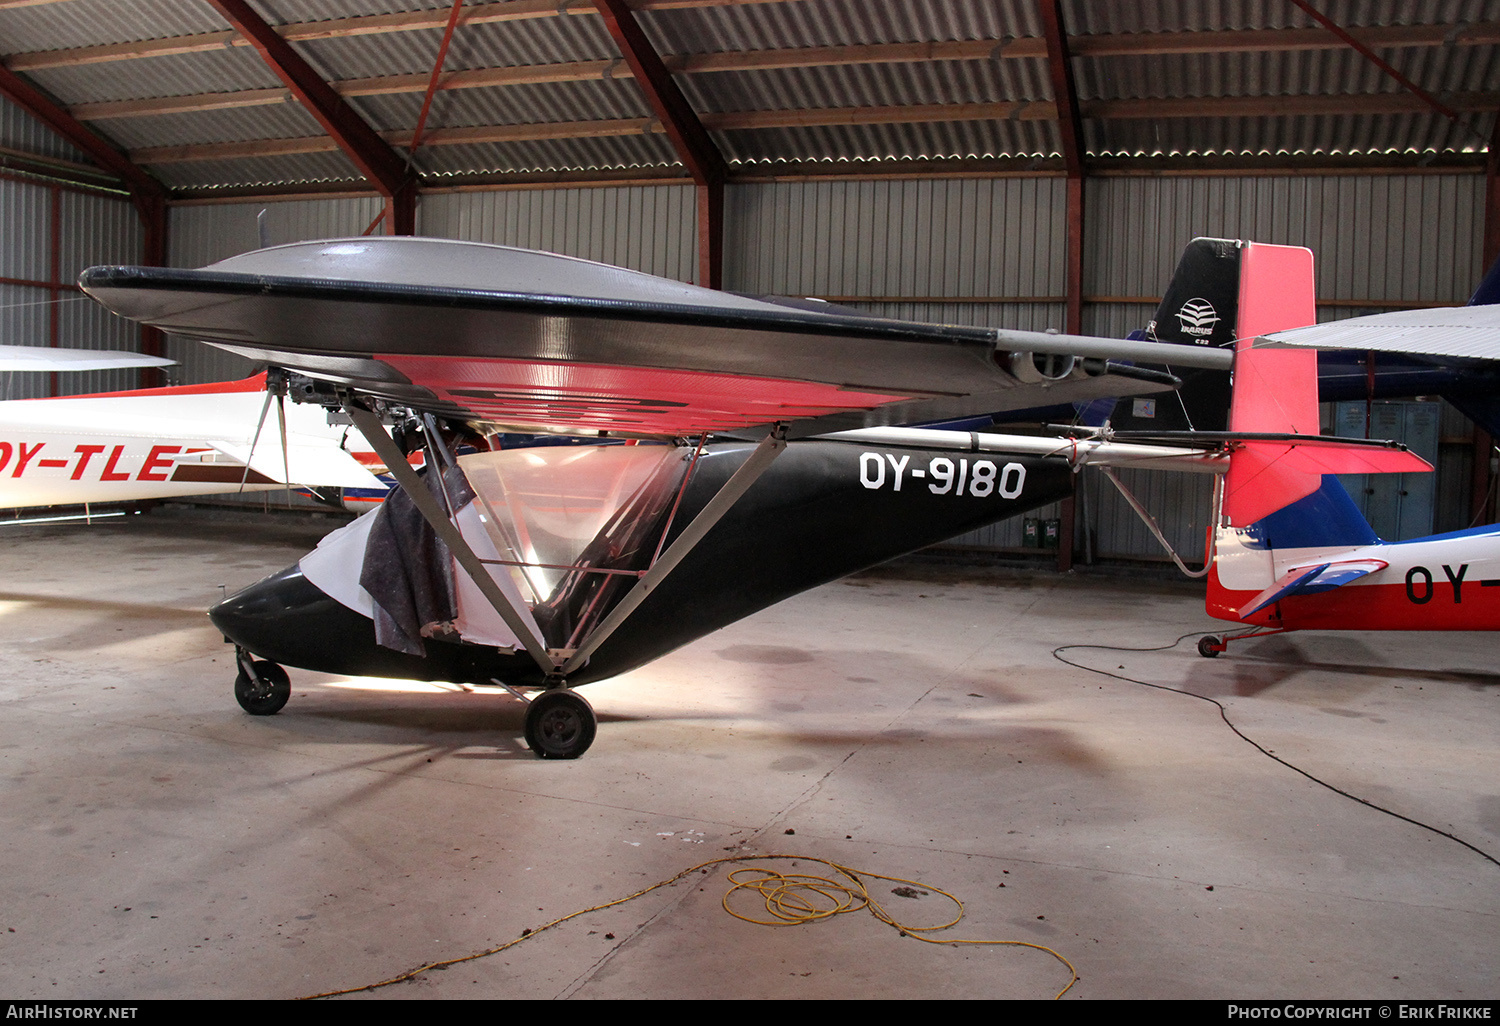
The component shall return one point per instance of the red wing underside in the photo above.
(578, 397)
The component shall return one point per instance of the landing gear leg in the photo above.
(262, 687)
(560, 724)
(1210, 646)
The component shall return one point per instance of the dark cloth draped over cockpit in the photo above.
(408, 570)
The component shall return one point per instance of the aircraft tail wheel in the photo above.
(266, 693)
(560, 724)
(1211, 646)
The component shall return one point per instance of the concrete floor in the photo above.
(911, 722)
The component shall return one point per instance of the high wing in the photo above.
(1471, 332)
(48, 358)
(542, 342)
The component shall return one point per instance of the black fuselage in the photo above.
(822, 510)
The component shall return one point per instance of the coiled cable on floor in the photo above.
(790, 899)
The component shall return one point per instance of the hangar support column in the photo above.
(1070, 138)
(695, 148)
(1481, 507)
(377, 160)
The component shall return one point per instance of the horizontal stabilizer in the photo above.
(1267, 476)
(1311, 581)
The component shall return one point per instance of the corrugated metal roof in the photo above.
(282, 121)
(1360, 134)
(486, 45)
(621, 154)
(264, 172)
(516, 105)
(1158, 80)
(744, 27)
(890, 144)
(1093, 17)
(870, 85)
(216, 71)
(56, 26)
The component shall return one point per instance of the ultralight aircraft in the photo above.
(767, 456)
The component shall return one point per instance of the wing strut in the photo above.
(739, 482)
(550, 661)
(395, 462)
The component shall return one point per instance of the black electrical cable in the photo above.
(1224, 715)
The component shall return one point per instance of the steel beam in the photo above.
(376, 159)
(697, 151)
(1070, 136)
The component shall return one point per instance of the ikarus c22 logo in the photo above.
(1198, 317)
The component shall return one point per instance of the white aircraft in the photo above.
(160, 443)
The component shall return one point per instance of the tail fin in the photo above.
(1276, 392)
(1199, 307)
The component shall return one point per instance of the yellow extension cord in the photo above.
(789, 899)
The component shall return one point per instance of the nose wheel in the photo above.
(560, 724)
(261, 687)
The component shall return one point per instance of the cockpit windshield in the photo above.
(575, 524)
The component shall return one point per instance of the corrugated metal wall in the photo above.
(1415, 237)
(645, 228)
(899, 248)
(1411, 237)
(25, 311)
(20, 131)
(90, 229)
(201, 235)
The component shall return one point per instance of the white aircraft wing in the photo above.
(542, 342)
(1457, 331)
(47, 358)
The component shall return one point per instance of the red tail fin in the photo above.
(1276, 391)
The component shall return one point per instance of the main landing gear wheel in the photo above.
(1211, 646)
(560, 724)
(267, 693)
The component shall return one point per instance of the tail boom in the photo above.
(1448, 582)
